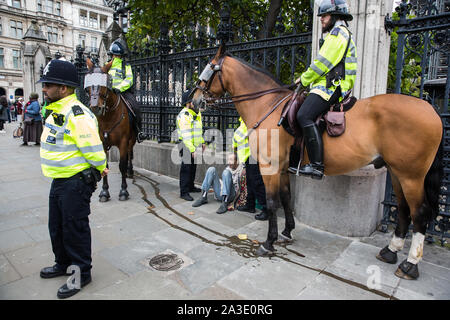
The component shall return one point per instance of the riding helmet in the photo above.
(335, 7)
(117, 48)
(60, 72)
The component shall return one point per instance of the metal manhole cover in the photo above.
(166, 262)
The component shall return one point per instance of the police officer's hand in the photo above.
(298, 82)
(203, 147)
(105, 172)
(116, 91)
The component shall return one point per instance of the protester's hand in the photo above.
(105, 172)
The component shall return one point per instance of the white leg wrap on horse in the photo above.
(396, 244)
(416, 250)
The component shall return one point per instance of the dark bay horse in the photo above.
(405, 133)
(114, 123)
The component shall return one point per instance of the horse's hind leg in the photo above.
(285, 197)
(389, 253)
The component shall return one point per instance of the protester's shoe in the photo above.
(24, 144)
(200, 201)
(65, 292)
(223, 208)
(187, 197)
(246, 208)
(262, 216)
(52, 272)
(195, 189)
(37, 144)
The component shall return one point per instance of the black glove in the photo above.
(116, 91)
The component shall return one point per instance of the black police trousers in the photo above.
(187, 170)
(68, 223)
(255, 185)
(314, 106)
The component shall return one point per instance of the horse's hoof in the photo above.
(408, 271)
(263, 252)
(123, 197)
(285, 237)
(386, 255)
(103, 199)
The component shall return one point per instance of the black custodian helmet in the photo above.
(60, 72)
(335, 7)
(186, 97)
(118, 47)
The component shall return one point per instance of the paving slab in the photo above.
(7, 271)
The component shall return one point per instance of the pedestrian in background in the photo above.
(19, 109)
(32, 121)
(3, 113)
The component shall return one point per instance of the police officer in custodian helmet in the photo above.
(72, 154)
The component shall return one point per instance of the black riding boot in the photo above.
(314, 146)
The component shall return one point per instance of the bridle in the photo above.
(95, 81)
(207, 76)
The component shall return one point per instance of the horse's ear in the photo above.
(221, 51)
(89, 64)
(107, 66)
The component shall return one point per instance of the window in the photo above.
(17, 61)
(2, 58)
(93, 20)
(103, 22)
(58, 8)
(52, 34)
(93, 44)
(16, 4)
(83, 18)
(82, 40)
(39, 5)
(16, 29)
(1, 28)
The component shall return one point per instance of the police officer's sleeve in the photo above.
(84, 131)
(186, 132)
(330, 54)
(128, 81)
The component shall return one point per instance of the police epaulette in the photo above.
(186, 113)
(77, 111)
(335, 31)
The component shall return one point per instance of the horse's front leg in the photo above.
(273, 203)
(285, 197)
(123, 165)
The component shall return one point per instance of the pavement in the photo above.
(213, 263)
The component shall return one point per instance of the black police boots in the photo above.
(314, 146)
(52, 272)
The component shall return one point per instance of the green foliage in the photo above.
(411, 74)
(181, 17)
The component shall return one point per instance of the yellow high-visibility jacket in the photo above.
(190, 128)
(116, 73)
(70, 141)
(330, 54)
(240, 141)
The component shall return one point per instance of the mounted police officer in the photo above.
(331, 76)
(255, 183)
(122, 81)
(72, 154)
(190, 133)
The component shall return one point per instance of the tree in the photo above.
(250, 18)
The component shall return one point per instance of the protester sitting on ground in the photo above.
(32, 121)
(227, 190)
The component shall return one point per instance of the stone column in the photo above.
(350, 204)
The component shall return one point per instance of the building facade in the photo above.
(33, 31)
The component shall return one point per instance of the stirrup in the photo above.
(295, 171)
(314, 171)
(141, 136)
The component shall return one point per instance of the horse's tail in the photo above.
(433, 181)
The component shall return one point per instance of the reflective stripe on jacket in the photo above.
(240, 141)
(116, 73)
(190, 128)
(330, 54)
(70, 141)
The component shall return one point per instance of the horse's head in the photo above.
(97, 84)
(208, 85)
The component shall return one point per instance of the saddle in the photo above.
(333, 120)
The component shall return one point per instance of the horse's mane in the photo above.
(258, 69)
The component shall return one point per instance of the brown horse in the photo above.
(405, 133)
(114, 123)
